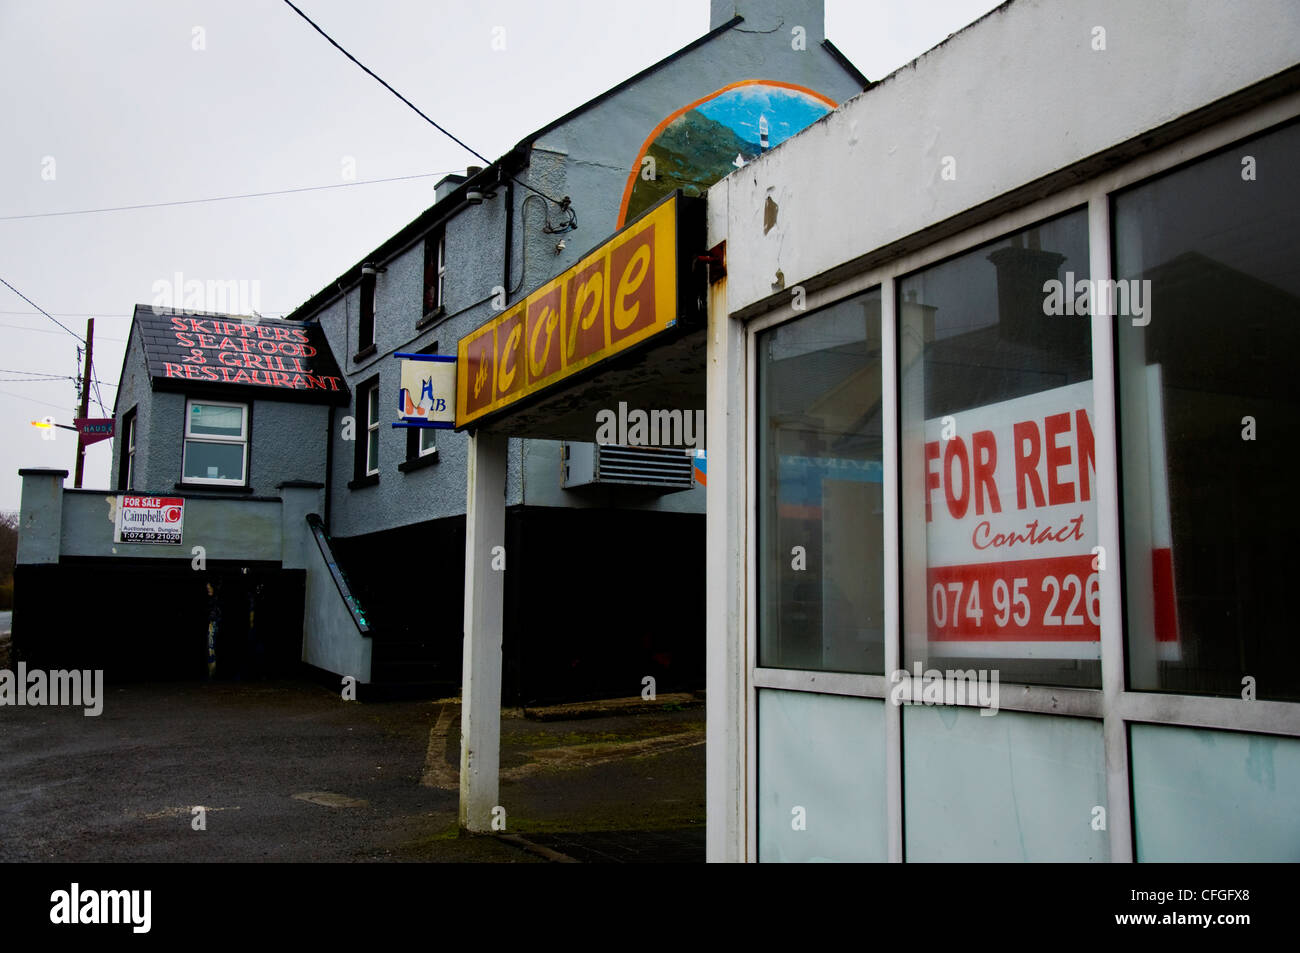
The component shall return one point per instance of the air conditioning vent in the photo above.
(586, 464)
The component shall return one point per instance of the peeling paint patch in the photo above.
(770, 210)
(112, 509)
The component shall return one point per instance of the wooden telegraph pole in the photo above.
(85, 401)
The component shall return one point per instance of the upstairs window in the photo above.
(366, 328)
(435, 271)
(216, 443)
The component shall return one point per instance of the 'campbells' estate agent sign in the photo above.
(222, 353)
(149, 519)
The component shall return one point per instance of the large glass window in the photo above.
(1207, 411)
(216, 442)
(820, 536)
(999, 514)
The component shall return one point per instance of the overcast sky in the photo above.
(113, 104)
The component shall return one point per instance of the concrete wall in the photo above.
(331, 640)
(1010, 100)
(589, 158)
(234, 529)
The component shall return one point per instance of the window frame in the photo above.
(126, 460)
(372, 410)
(435, 274)
(361, 433)
(244, 441)
(1113, 704)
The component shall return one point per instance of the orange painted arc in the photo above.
(654, 133)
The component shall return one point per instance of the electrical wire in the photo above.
(40, 309)
(34, 400)
(26, 327)
(563, 204)
(222, 198)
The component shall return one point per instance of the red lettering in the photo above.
(1057, 456)
(1087, 453)
(209, 373)
(184, 339)
(1027, 462)
(207, 340)
(985, 446)
(173, 370)
(281, 380)
(957, 506)
(179, 324)
(198, 327)
(931, 476)
(282, 334)
(299, 335)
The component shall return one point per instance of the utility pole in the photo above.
(85, 401)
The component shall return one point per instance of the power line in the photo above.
(26, 327)
(40, 309)
(222, 198)
(33, 400)
(563, 204)
(33, 380)
(14, 370)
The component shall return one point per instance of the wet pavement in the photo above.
(287, 771)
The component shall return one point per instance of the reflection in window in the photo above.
(821, 594)
(999, 513)
(1207, 407)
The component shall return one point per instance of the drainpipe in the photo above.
(510, 225)
(329, 465)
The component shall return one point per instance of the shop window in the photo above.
(435, 272)
(821, 529)
(365, 464)
(1207, 409)
(999, 510)
(216, 443)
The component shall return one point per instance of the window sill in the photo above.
(365, 481)
(418, 463)
(433, 316)
(213, 488)
(367, 351)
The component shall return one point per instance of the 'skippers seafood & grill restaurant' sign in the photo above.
(219, 354)
(633, 287)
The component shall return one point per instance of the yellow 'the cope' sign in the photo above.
(619, 295)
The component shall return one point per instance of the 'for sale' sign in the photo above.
(1011, 526)
(149, 519)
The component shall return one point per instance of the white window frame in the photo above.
(242, 441)
(735, 499)
(130, 450)
(372, 410)
(432, 434)
(442, 267)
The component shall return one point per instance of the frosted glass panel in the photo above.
(1202, 795)
(1006, 787)
(826, 755)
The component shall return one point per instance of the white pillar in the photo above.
(480, 726)
(726, 657)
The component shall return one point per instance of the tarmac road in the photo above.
(287, 771)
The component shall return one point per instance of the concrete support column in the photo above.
(727, 658)
(40, 521)
(485, 531)
(297, 499)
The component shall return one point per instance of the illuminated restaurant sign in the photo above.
(274, 359)
(631, 288)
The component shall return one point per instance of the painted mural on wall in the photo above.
(712, 137)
